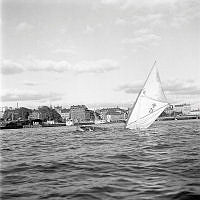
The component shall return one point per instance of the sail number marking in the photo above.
(152, 108)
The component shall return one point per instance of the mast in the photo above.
(149, 73)
(133, 108)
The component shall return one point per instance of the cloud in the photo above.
(125, 4)
(23, 27)
(171, 87)
(111, 2)
(184, 12)
(131, 88)
(142, 39)
(157, 13)
(89, 29)
(47, 65)
(99, 66)
(70, 51)
(17, 95)
(148, 4)
(180, 87)
(10, 67)
(148, 20)
(29, 83)
(121, 21)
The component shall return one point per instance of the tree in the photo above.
(49, 114)
(19, 113)
(23, 113)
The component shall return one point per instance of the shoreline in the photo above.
(184, 117)
(178, 118)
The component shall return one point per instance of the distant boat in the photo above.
(100, 121)
(69, 122)
(150, 103)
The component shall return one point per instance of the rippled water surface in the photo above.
(54, 163)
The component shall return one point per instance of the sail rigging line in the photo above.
(147, 114)
(149, 74)
(144, 95)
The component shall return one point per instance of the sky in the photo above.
(98, 52)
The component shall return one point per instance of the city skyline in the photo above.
(98, 53)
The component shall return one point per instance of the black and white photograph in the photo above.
(100, 99)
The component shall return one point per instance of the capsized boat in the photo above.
(150, 102)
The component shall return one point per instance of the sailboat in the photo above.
(150, 102)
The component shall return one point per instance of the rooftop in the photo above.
(113, 113)
(65, 110)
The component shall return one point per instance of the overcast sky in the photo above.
(98, 52)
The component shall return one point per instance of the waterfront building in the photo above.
(169, 110)
(34, 115)
(6, 108)
(195, 112)
(3, 109)
(103, 113)
(65, 114)
(97, 115)
(113, 114)
(182, 108)
(80, 113)
(58, 109)
(50, 122)
(10, 115)
(91, 115)
(1, 113)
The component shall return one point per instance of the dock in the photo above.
(183, 117)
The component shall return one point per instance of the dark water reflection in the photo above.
(54, 163)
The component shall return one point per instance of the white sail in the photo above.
(149, 104)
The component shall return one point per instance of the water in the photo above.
(54, 163)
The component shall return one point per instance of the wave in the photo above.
(52, 163)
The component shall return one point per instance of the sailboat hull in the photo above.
(146, 121)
